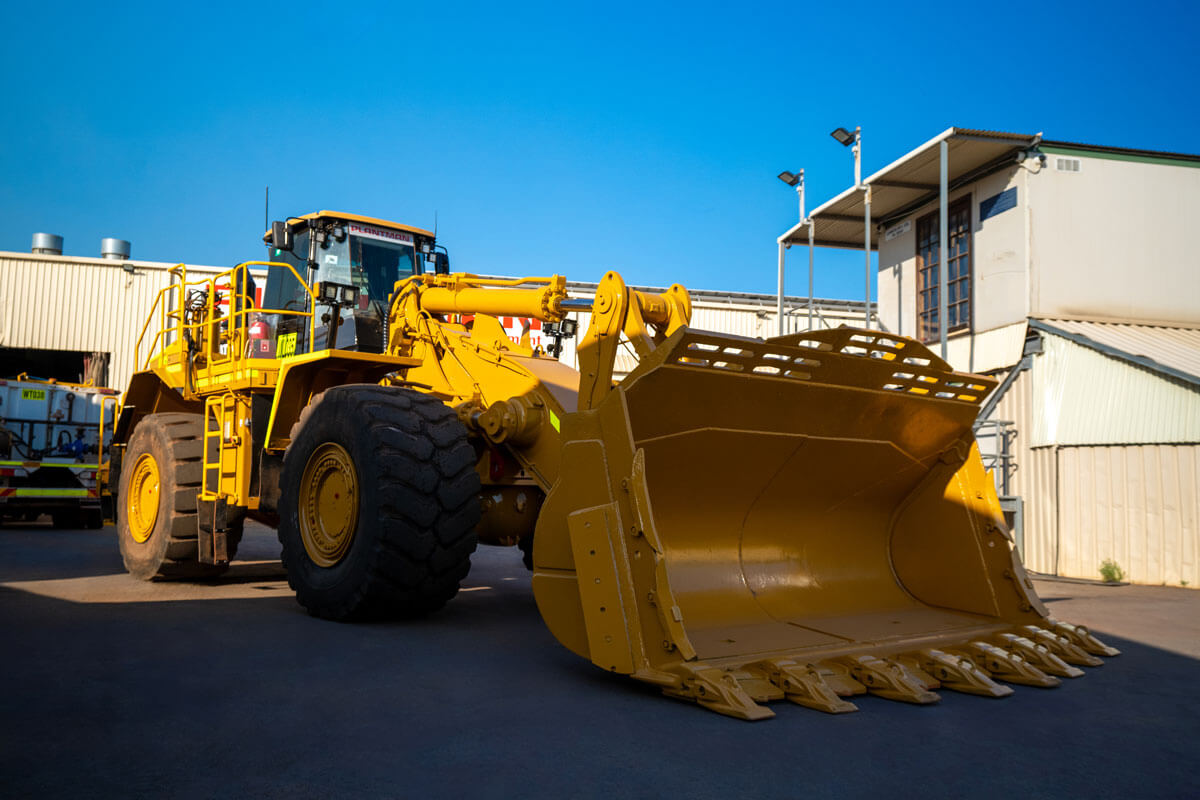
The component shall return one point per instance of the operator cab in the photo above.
(352, 262)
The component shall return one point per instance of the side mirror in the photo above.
(281, 236)
(441, 263)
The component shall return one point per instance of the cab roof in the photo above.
(383, 223)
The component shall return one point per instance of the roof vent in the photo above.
(47, 244)
(116, 249)
(1068, 164)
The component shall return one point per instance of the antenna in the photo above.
(435, 224)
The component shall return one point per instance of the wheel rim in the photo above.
(143, 498)
(328, 504)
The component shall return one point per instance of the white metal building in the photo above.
(1072, 277)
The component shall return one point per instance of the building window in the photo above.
(958, 285)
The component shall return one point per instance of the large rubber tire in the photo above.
(417, 504)
(175, 442)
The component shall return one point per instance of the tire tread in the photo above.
(426, 507)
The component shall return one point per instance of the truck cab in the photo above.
(356, 261)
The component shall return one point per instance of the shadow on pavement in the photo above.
(38, 552)
(251, 697)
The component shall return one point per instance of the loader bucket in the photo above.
(806, 517)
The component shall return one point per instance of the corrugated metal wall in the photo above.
(1034, 477)
(1086, 397)
(1137, 505)
(1136, 502)
(740, 322)
(1039, 475)
(81, 304)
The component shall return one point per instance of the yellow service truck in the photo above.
(735, 521)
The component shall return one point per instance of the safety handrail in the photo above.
(171, 323)
(998, 458)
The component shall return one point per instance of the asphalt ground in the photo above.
(117, 688)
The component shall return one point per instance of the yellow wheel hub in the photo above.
(143, 498)
(328, 504)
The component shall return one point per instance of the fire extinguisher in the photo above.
(261, 345)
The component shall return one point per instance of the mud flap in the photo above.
(212, 523)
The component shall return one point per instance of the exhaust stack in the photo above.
(115, 249)
(47, 244)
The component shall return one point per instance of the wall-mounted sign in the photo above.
(998, 203)
(897, 230)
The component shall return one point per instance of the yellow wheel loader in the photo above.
(735, 521)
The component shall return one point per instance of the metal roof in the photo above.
(912, 180)
(1123, 153)
(909, 182)
(1166, 349)
(1084, 395)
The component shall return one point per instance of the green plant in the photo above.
(1111, 571)
(1183, 583)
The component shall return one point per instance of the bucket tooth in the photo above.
(958, 673)
(838, 678)
(1037, 655)
(760, 687)
(1008, 666)
(803, 684)
(889, 679)
(1080, 636)
(717, 690)
(1061, 647)
(912, 662)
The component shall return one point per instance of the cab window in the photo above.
(377, 265)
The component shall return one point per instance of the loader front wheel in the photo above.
(378, 504)
(156, 510)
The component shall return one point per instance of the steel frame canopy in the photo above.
(927, 174)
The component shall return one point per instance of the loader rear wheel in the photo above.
(156, 514)
(379, 499)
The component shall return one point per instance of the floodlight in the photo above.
(844, 136)
(789, 178)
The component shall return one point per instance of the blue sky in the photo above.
(554, 137)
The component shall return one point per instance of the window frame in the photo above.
(959, 205)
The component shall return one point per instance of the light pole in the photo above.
(846, 139)
(796, 180)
